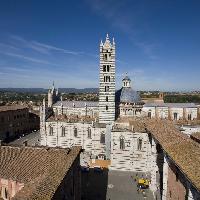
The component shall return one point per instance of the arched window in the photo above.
(102, 138)
(106, 88)
(139, 145)
(175, 116)
(105, 56)
(149, 114)
(50, 130)
(75, 132)
(63, 131)
(4, 192)
(108, 68)
(121, 143)
(189, 116)
(89, 132)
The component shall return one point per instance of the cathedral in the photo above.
(112, 128)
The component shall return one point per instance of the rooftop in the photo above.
(171, 105)
(196, 136)
(181, 149)
(127, 95)
(12, 107)
(71, 118)
(133, 125)
(41, 169)
(76, 104)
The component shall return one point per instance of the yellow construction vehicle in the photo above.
(143, 183)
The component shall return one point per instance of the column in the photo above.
(154, 167)
(165, 178)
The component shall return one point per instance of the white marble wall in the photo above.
(130, 159)
(168, 113)
(90, 144)
(89, 111)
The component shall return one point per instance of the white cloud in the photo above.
(46, 48)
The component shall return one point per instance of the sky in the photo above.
(157, 42)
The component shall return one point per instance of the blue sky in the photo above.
(157, 42)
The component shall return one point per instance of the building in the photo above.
(175, 161)
(130, 147)
(32, 139)
(124, 130)
(16, 120)
(171, 111)
(128, 101)
(80, 108)
(53, 96)
(107, 82)
(39, 173)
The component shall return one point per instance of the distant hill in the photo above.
(75, 90)
(42, 90)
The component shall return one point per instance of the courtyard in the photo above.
(111, 185)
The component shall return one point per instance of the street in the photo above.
(111, 185)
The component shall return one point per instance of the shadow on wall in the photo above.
(160, 161)
(94, 185)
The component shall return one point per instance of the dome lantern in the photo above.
(126, 82)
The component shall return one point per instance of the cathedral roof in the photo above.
(171, 105)
(76, 104)
(127, 95)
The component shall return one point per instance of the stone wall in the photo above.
(89, 142)
(13, 123)
(131, 158)
(168, 113)
(175, 187)
(85, 111)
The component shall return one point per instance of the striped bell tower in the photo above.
(107, 82)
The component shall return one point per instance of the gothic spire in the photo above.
(107, 37)
(101, 43)
(113, 41)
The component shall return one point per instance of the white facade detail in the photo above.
(130, 151)
(172, 111)
(65, 134)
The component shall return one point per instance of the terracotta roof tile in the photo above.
(183, 150)
(41, 169)
(196, 136)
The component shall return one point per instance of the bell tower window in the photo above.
(106, 88)
(108, 68)
(122, 143)
(139, 147)
(106, 78)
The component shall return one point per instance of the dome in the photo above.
(128, 95)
